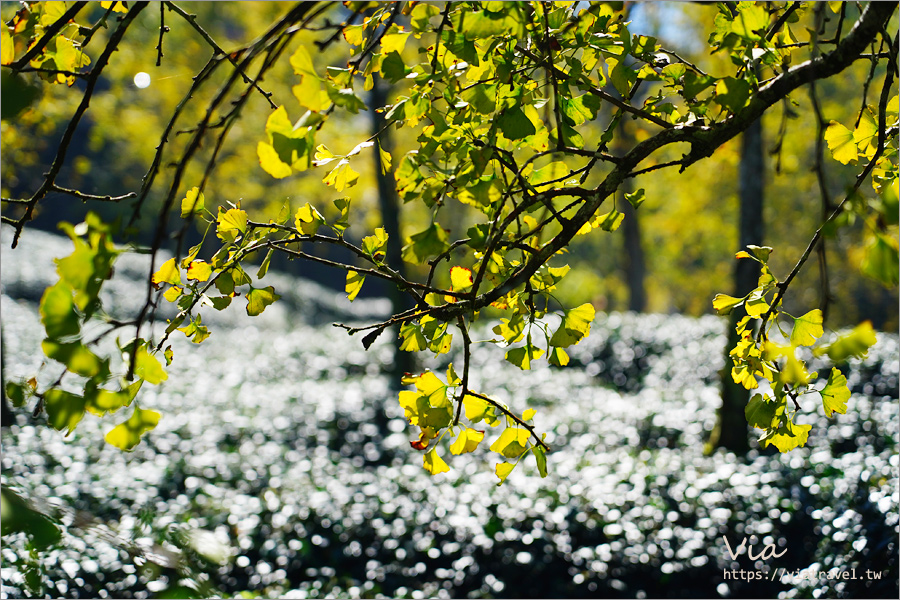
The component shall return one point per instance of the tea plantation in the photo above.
(282, 468)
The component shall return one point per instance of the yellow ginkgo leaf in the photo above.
(167, 273)
(841, 143)
(503, 470)
(434, 464)
(460, 279)
(467, 441)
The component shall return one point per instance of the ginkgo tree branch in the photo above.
(50, 177)
(217, 49)
(50, 33)
(879, 151)
(272, 36)
(556, 73)
(703, 140)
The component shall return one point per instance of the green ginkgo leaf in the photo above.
(881, 260)
(807, 329)
(99, 401)
(789, 436)
(76, 356)
(148, 368)
(230, 224)
(522, 357)
(756, 304)
(867, 130)
(636, 198)
(342, 176)
(576, 324)
(478, 409)
(856, 343)
(308, 219)
(413, 338)
(515, 124)
(724, 304)
(259, 298)
(541, 459)
(558, 357)
(64, 409)
(18, 515)
(193, 202)
(199, 270)
(270, 162)
(168, 273)
(760, 411)
(343, 222)
(127, 435)
(512, 330)
(425, 244)
(374, 245)
(751, 22)
(57, 310)
(835, 393)
(732, 94)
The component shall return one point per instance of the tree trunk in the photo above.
(389, 204)
(634, 262)
(731, 430)
(635, 265)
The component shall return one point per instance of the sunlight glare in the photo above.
(142, 80)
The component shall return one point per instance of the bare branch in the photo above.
(232, 58)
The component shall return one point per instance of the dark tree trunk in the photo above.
(634, 262)
(731, 429)
(635, 266)
(389, 204)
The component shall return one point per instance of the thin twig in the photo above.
(674, 163)
(598, 92)
(512, 416)
(232, 58)
(78, 74)
(825, 196)
(783, 286)
(445, 19)
(684, 61)
(467, 355)
(782, 19)
(273, 33)
(162, 30)
(101, 22)
(551, 75)
(85, 197)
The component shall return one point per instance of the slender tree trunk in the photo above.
(634, 262)
(635, 265)
(731, 429)
(389, 204)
